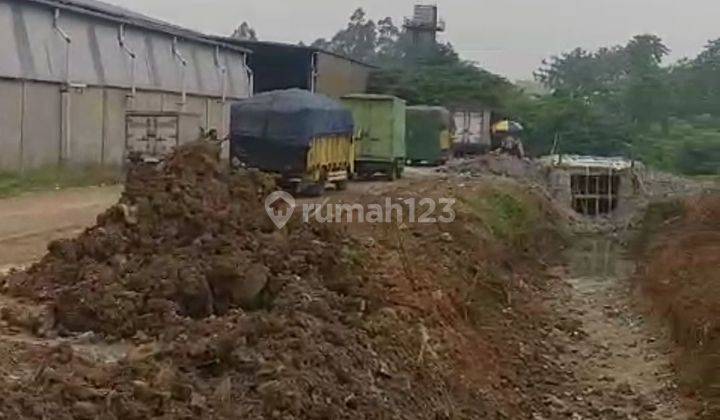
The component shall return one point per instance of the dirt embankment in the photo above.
(185, 302)
(681, 277)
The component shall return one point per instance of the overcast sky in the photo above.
(509, 37)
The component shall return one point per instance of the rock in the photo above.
(255, 281)
(231, 287)
(85, 410)
(446, 237)
(142, 353)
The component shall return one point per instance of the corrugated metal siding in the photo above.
(30, 48)
(85, 122)
(338, 77)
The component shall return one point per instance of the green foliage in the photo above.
(509, 214)
(433, 75)
(622, 101)
(358, 40)
(689, 147)
(444, 84)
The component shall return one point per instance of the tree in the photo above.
(390, 41)
(445, 84)
(435, 77)
(382, 43)
(244, 32)
(646, 93)
(358, 40)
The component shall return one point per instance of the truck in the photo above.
(473, 131)
(428, 135)
(380, 134)
(305, 139)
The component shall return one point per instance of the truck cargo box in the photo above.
(305, 137)
(380, 129)
(428, 135)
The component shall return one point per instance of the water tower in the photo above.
(424, 25)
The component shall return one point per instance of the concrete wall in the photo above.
(560, 182)
(31, 122)
(338, 76)
(11, 111)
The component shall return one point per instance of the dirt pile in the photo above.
(226, 317)
(185, 240)
(681, 277)
(498, 164)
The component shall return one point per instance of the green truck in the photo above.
(380, 134)
(429, 135)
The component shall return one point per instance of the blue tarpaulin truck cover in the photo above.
(273, 131)
(290, 116)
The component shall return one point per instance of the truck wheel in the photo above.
(341, 185)
(399, 169)
(318, 189)
(393, 172)
(315, 190)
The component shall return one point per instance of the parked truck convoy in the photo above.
(311, 140)
(428, 135)
(305, 138)
(380, 134)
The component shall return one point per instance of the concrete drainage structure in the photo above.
(594, 186)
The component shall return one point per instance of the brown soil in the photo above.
(680, 275)
(185, 302)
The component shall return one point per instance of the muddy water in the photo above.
(622, 363)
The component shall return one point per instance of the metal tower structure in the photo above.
(424, 25)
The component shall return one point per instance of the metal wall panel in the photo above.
(45, 49)
(96, 57)
(10, 125)
(9, 59)
(33, 73)
(338, 77)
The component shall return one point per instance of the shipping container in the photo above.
(380, 134)
(429, 135)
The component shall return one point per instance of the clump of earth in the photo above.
(224, 315)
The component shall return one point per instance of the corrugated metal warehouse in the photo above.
(71, 69)
(284, 66)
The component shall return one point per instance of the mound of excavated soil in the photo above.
(498, 164)
(186, 240)
(225, 316)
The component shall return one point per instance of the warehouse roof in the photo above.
(119, 14)
(254, 45)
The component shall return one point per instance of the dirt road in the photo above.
(29, 222)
